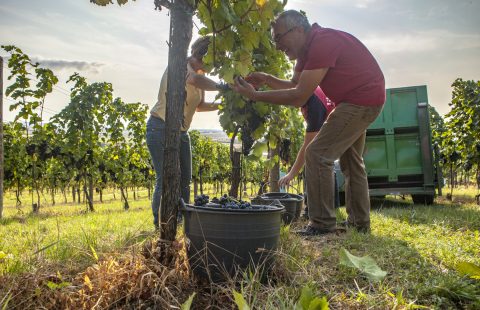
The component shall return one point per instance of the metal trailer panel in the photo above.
(398, 151)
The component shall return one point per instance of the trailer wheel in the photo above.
(341, 198)
(422, 199)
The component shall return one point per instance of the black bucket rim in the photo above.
(219, 210)
(296, 197)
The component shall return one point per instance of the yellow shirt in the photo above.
(194, 98)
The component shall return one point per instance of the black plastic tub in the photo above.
(222, 241)
(293, 204)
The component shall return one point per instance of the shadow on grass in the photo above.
(454, 216)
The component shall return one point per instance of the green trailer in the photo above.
(398, 152)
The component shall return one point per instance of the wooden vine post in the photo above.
(181, 13)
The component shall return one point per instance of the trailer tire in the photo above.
(422, 199)
(341, 198)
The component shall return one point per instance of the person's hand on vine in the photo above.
(257, 79)
(244, 88)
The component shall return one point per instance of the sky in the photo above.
(416, 42)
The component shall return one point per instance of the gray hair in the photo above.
(293, 18)
(200, 47)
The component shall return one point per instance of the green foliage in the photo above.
(469, 269)
(240, 301)
(30, 103)
(15, 156)
(437, 125)
(95, 137)
(188, 303)
(28, 99)
(460, 139)
(308, 301)
(107, 2)
(365, 264)
(211, 159)
(242, 44)
(56, 286)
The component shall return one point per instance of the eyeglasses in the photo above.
(278, 37)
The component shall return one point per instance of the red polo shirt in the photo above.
(353, 75)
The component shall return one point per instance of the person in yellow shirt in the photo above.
(196, 85)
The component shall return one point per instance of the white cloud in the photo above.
(363, 4)
(421, 41)
(59, 64)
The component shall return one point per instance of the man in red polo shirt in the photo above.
(350, 76)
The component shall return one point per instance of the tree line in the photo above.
(456, 136)
(96, 142)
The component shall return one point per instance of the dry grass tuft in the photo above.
(130, 280)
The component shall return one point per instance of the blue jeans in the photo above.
(156, 147)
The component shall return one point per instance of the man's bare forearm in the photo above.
(291, 97)
(202, 82)
(276, 83)
(207, 107)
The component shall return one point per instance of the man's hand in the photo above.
(285, 181)
(244, 88)
(257, 79)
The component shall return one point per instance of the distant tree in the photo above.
(15, 163)
(461, 138)
(437, 124)
(81, 123)
(29, 100)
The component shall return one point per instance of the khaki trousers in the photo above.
(341, 136)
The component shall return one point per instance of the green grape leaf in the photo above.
(469, 269)
(204, 31)
(259, 132)
(365, 264)
(308, 301)
(242, 68)
(228, 75)
(259, 148)
(262, 108)
(319, 304)
(305, 298)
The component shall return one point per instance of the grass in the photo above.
(69, 235)
(418, 246)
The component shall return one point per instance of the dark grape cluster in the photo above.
(201, 200)
(247, 140)
(224, 202)
(31, 149)
(285, 150)
(223, 87)
(252, 123)
(231, 203)
(43, 150)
